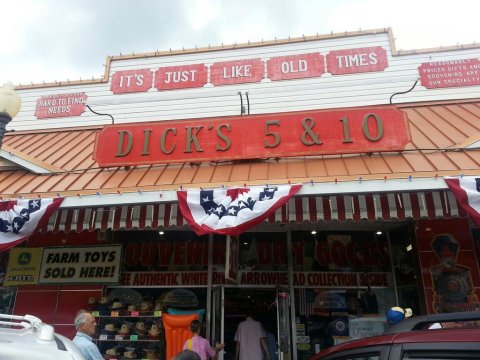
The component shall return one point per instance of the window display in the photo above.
(130, 320)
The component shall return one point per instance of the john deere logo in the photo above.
(24, 258)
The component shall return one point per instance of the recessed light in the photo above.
(379, 232)
(314, 232)
(161, 233)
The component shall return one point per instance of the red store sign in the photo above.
(60, 105)
(130, 81)
(288, 67)
(237, 72)
(352, 61)
(452, 73)
(296, 66)
(181, 77)
(374, 129)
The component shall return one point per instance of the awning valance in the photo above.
(356, 207)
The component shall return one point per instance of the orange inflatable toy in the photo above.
(177, 331)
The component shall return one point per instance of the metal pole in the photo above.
(392, 266)
(208, 315)
(292, 295)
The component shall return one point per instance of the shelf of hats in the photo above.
(130, 321)
(129, 331)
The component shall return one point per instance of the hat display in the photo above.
(110, 327)
(130, 354)
(109, 330)
(140, 328)
(124, 329)
(151, 354)
(146, 306)
(103, 304)
(112, 351)
(116, 305)
(154, 331)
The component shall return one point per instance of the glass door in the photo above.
(284, 325)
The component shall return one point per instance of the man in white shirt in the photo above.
(250, 338)
(85, 324)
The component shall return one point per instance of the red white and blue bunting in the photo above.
(232, 211)
(19, 219)
(467, 192)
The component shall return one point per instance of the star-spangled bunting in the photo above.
(232, 211)
(19, 219)
(467, 193)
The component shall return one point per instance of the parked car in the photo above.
(433, 337)
(27, 337)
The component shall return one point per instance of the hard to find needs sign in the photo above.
(373, 129)
(81, 265)
(60, 105)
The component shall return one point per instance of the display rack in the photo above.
(130, 334)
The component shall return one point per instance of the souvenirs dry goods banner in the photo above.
(64, 265)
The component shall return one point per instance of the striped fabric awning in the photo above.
(356, 207)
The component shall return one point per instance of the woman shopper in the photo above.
(199, 344)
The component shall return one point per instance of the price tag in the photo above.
(133, 337)
(134, 313)
(114, 313)
(157, 313)
(103, 337)
(96, 313)
(118, 337)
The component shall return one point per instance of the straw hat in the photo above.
(140, 325)
(124, 329)
(146, 306)
(110, 327)
(154, 330)
(117, 305)
(151, 354)
(130, 354)
(112, 351)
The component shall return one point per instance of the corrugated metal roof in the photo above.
(437, 132)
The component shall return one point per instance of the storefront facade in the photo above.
(368, 133)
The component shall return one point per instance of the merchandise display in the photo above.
(130, 321)
(128, 333)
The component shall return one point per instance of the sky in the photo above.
(59, 40)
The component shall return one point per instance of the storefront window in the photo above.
(344, 284)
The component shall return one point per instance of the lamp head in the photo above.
(9, 101)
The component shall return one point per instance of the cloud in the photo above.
(58, 40)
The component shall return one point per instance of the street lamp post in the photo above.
(9, 107)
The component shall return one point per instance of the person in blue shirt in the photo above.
(85, 324)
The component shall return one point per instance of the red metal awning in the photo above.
(327, 208)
